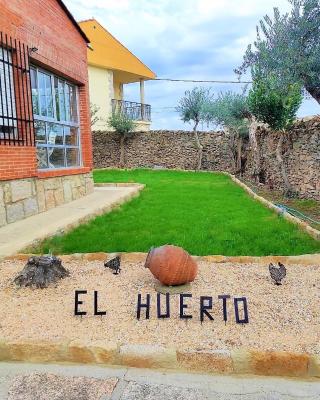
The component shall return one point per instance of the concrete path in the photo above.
(20, 234)
(19, 381)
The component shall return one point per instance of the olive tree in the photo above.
(192, 109)
(230, 110)
(276, 106)
(288, 47)
(124, 126)
(94, 110)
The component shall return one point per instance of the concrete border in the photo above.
(305, 259)
(235, 362)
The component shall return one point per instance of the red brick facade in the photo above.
(61, 49)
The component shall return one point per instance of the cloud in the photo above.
(192, 39)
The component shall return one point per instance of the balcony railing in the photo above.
(134, 111)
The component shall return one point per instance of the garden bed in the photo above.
(281, 318)
(203, 212)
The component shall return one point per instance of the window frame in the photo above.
(53, 120)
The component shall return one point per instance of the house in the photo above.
(111, 65)
(45, 133)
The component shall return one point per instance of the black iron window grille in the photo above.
(16, 117)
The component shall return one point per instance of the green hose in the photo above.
(296, 213)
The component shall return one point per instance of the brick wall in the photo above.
(17, 161)
(61, 49)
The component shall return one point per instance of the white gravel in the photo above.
(283, 317)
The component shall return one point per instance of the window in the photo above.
(55, 108)
(8, 117)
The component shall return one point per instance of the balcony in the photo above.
(134, 111)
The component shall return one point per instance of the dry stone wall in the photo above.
(301, 155)
(167, 149)
(176, 149)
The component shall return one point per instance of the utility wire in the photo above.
(200, 81)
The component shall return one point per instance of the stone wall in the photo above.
(21, 198)
(168, 149)
(176, 149)
(301, 155)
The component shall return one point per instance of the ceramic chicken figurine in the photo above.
(114, 265)
(277, 273)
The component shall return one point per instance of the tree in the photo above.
(273, 105)
(123, 125)
(192, 109)
(94, 109)
(230, 110)
(288, 47)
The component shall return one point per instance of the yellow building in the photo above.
(111, 65)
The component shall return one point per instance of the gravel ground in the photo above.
(280, 317)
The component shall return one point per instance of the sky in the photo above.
(182, 39)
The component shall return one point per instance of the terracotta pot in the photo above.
(171, 265)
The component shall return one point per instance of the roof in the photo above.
(75, 23)
(107, 52)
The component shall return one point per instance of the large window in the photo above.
(55, 109)
(8, 117)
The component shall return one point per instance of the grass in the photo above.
(203, 212)
(308, 207)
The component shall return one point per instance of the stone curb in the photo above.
(238, 361)
(303, 225)
(305, 259)
(120, 184)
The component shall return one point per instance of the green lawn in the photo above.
(203, 212)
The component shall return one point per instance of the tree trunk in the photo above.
(282, 167)
(255, 150)
(198, 144)
(122, 138)
(239, 154)
(313, 91)
(40, 272)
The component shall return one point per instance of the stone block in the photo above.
(51, 183)
(50, 200)
(147, 356)
(30, 206)
(314, 366)
(67, 190)
(15, 212)
(41, 195)
(59, 196)
(3, 215)
(20, 189)
(213, 361)
(7, 193)
(76, 180)
(39, 351)
(78, 352)
(104, 352)
(241, 361)
(1, 195)
(134, 257)
(89, 186)
(95, 256)
(75, 193)
(279, 363)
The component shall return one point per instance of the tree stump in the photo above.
(41, 271)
